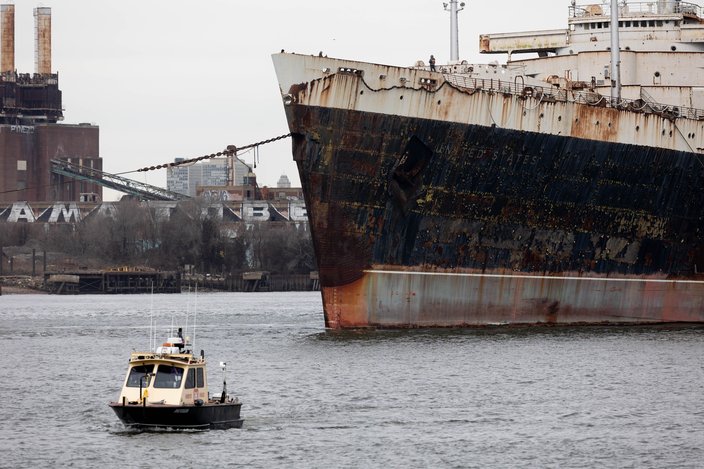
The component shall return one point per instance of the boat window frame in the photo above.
(161, 383)
(200, 377)
(133, 382)
(190, 379)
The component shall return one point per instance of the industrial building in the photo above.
(30, 133)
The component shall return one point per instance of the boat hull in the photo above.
(188, 417)
(433, 222)
(409, 299)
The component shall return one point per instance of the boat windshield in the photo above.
(168, 376)
(137, 373)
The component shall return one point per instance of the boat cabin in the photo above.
(169, 376)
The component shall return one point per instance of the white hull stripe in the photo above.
(533, 277)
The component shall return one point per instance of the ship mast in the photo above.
(454, 35)
(615, 55)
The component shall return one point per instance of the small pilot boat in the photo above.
(168, 389)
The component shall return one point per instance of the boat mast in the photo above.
(454, 34)
(615, 55)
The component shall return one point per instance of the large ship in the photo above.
(562, 188)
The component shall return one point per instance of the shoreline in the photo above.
(14, 290)
(21, 285)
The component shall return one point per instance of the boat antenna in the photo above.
(615, 55)
(188, 309)
(195, 314)
(454, 34)
(151, 320)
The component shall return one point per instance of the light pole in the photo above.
(454, 9)
(615, 55)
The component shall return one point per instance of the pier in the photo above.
(112, 281)
(257, 281)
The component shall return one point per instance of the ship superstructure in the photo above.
(529, 192)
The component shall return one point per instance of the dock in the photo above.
(112, 282)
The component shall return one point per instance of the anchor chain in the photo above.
(231, 150)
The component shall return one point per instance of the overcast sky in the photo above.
(167, 79)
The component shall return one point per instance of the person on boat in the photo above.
(432, 62)
(180, 336)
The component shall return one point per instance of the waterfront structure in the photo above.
(560, 189)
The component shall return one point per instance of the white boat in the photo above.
(168, 388)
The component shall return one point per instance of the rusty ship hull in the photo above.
(438, 203)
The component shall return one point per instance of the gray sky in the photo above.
(167, 79)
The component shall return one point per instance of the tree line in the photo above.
(134, 236)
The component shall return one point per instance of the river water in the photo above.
(504, 397)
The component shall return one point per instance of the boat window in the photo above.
(168, 376)
(191, 378)
(201, 378)
(139, 372)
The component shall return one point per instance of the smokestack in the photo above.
(7, 31)
(42, 40)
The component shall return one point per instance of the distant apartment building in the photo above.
(208, 173)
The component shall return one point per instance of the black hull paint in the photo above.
(476, 197)
(395, 193)
(208, 416)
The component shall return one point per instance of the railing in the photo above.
(29, 78)
(579, 93)
(628, 9)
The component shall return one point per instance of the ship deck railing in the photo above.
(639, 9)
(578, 93)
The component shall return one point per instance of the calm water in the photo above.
(594, 397)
